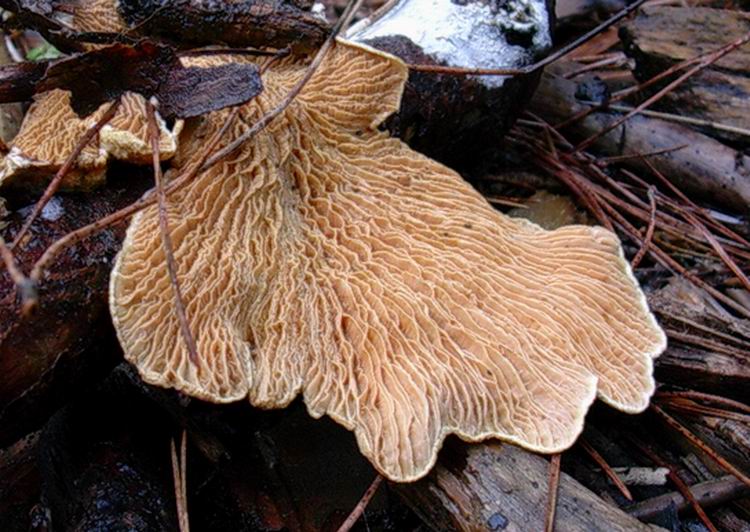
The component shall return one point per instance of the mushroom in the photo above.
(325, 258)
(51, 130)
(96, 16)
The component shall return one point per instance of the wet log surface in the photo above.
(660, 37)
(690, 360)
(501, 487)
(68, 341)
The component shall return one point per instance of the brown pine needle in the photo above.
(179, 477)
(703, 446)
(695, 208)
(667, 261)
(565, 50)
(718, 248)
(688, 407)
(599, 459)
(707, 398)
(671, 117)
(54, 184)
(680, 484)
(553, 488)
(361, 505)
(166, 238)
(649, 232)
(606, 161)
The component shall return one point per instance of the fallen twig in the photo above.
(361, 505)
(706, 494)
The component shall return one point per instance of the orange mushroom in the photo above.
(326, 259)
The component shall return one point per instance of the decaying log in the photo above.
(501, 487)
(236, 23)
(232, 22)
(19, 483)
(704, 167)
(709, 494)
(68, 341)
(704, 370)
(661, 36)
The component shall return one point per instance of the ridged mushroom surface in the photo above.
(98, 16)
(51, 130)
(327, 259)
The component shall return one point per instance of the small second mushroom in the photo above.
(51, 129)
(326, 259)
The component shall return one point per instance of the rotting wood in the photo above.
(705, 168)
(704, 370)
(688, 311)
(43, 359)
(662, 36)
(235, 23)
(501, 487)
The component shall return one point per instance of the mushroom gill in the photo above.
(327, 259)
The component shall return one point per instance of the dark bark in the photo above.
(68, 342)
(236, 23)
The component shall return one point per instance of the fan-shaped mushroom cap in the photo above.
(327, 259)
(51, 130)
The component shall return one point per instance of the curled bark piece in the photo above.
(327, 259)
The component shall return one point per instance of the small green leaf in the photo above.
(43, 52)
